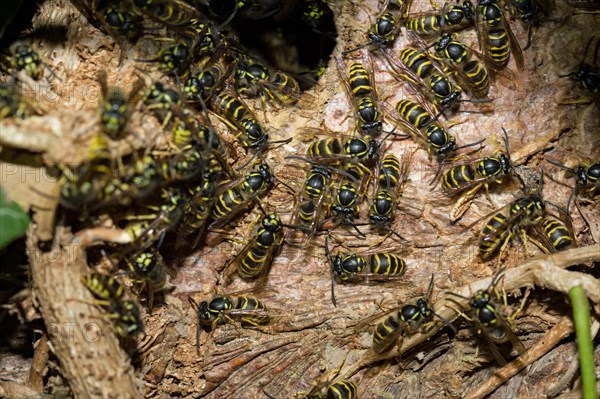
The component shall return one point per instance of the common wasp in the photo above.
(476, 173)
(342, 149)
(109, 295)
(359, 83)
(161, 100)
(115, 108)
(236, 196)
(348, 194)
(205, 77)
(587, 179)
(457, 17)
(531, 13)
(249, 311)
(586, 75)
(170, 13)
(378, 267)
(403, 321)
(148, 272)
(23, 57)
(344, 389)
(495, 36)
(486, 314)
(12, 102)
(525, 215)
(470, 73)
(255, 79)
(386, 27)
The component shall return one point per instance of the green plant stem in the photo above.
(581, 318)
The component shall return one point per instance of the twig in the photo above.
(88, 351)
(40, 358)
(581, 317)
(545, 271)
(563, 329)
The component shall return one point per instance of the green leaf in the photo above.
(13, 221)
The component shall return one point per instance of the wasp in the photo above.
(115, 107)
(12, 103)
(470, 73)
(249, 311)
(205, 79)
(587, 179)
(309, 206)
(383, 206)
(109, 295)
(380, 266)
(161, 101)
(171, 13)
(344, 389)
(254, 260)
(420, 124)
(334, 150)
(458, 17)
(236, 196)
(479, 172)
(238, 116)
(314, 13)
(25, 58)
(495, 36)
(120, 23)
(359, 83)
(197, 212)
(531, 13)
(253, 79)
(526, 215)
(386, 27)
(163, 217)
(148, 270)
(485, 312)
(348, 194)
(587, 76)
(408, 320)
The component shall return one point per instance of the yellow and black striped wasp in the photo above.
(161, 218)
(161, 100)
(254, 261)
(148, 272)
(238, 116)
(344, 389)
(469, 72)
(109, 295)
(12, 103)
(348, 194)
(310, 203)
(415, 119)
(255, 79)
(206, 77)
(383, 205)
(525, 215)
(587, 179)
(377, 267)
(476, 173)
(117, 20)
(115, 109)
(457, 17)
(359, 82)
(23, 57)
(486, 314)
(531, 12)
(196, 212)
(249, 311)
(386, 27)
(170, 13)
(403, 321)
(338, 149)
(234, 197)
(496, 39)
(586, 75)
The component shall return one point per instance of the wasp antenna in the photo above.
(446, 322)
(430, 287)
(356, 48)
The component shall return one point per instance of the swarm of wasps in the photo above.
(184, 192)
